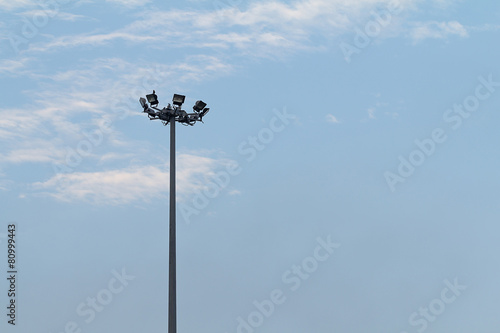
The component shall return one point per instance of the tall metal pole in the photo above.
(172, 115)
(172, 296)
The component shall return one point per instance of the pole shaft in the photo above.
(172, 295)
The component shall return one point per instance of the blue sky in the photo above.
(345, 180)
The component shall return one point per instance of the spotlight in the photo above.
(152, 99)
(144, 105)
(178, 99)
(204, 112)
(199, 105)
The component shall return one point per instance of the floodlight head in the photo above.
(199, 105)
(204, 112)
(152, 98)
(178, 99)
(142, 100)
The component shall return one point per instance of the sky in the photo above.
(345, 180)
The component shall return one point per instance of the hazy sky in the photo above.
(345, 180)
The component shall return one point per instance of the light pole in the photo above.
(170, 115)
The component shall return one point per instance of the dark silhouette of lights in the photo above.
(152, 99)
(199, 105)
(178, 99)
(175, 112)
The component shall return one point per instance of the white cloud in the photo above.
(78, 101)
(15, 4)
(262, 29)
(93, 40)
(129, 3)
(132, 184)
(332, 119)
(40, 151)
(75, 102)
(371, 113)
(18, 4)
(270, 29)
(52, 14)
(74, 105)
(108, 157)
(437, 30)
(5, 184)
(14, 67)
(68, 103)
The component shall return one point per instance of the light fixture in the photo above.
(199, 105)
(178, 99)
(173, 113)
(152, 99)
(204, 112)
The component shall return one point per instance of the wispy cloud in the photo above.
(13, 66)
(130, 3)
(56, 14)
(78, 100)
(371, 113)
(39, 151)
(132, 184)
(5, 184)
(21, 4)
(437, 30)
(15, 4)
(68, 103)
(89, 39)
(71, 105)
(332, 119)
(262, 29)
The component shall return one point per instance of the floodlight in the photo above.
(152, 98)
(142, 100)
(199, 105)
(204, 112)
(178, 99)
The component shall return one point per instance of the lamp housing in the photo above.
(152, 99)
(204, 112)
(199, 105)
(178, 99)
